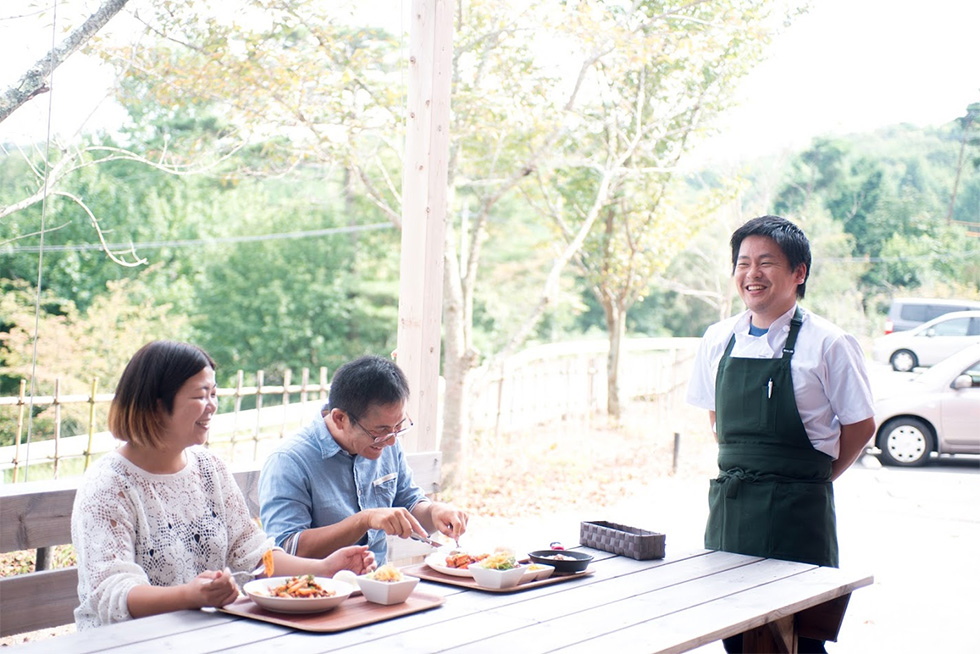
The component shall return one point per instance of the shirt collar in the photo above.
(779, 324)
(777, 330)
(328, 444)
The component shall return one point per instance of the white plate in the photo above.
(258, 591)
(437, 561)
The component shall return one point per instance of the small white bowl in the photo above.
(536, 571)
(490, 578)
(386, 592)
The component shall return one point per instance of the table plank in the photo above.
(705, 622)
(635, 599)
(228, 636)
(168, 625)
(672, 605)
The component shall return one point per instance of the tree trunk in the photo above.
(956, 180)
(34, 81)
(458, 362)
(616, 328)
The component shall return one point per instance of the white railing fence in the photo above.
(554, 382)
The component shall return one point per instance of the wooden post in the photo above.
(238, 407)
(20, 426)
(286, 380)
(57, 422)
(424, 200)
(91, 422)
(259, 381)
(306, 381)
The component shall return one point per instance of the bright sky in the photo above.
(854, 65)
(847, 66)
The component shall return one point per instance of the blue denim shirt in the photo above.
(310, 481)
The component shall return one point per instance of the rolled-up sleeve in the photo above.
(407, 494)
(285, 497)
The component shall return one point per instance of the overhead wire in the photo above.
(40, 257)
(153, 245)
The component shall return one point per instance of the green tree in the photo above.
(969, 127)
(332, 94)
(290, 303)
(75, 347)
(613, 196)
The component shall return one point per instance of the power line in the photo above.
(920, 257)
(152, 245)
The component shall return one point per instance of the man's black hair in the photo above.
(790, 239)
(365, 382)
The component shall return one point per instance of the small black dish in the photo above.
(573, 561)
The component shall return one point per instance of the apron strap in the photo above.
(794, 330)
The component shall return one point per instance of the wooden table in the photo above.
(670, 605)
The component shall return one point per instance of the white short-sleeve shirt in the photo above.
(830, 378)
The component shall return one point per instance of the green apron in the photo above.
(773, 497)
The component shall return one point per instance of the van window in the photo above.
(936, 310)
(916, 312)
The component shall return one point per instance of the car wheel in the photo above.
(904, 360)
(905, 442)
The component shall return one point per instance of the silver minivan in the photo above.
(930, 342)
(908, 312)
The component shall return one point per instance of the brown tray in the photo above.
(353, 612)
(422, 571)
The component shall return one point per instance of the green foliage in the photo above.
(74, 347)
(888, 191)
(283, 119)
(133, 203)
(278, 304)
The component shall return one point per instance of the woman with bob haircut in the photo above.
(159, 524)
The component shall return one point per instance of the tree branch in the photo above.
(33, 82)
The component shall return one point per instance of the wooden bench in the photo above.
(37, 516)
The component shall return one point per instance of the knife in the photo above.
(425, 539)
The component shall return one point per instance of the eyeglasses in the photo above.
(381, 436)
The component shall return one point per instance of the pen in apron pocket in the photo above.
(769, 389)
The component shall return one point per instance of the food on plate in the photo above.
(462, 560)
(300, 587)
(388, 573)
(500, 560)
(557, 557)
(268, 563)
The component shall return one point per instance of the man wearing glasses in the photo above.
(343, 479)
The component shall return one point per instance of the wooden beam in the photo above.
(424, 205)
(823, 622)
(777, 636)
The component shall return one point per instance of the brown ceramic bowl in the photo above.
(562, 560)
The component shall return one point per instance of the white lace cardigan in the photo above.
(131, 527)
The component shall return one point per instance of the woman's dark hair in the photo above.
(148, 385)
(790, 239)
(367, 381)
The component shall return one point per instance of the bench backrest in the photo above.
(38, 515)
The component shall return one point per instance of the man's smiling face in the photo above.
(765, 281)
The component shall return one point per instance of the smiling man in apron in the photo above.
(789, 399)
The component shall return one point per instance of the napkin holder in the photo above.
(619, 539)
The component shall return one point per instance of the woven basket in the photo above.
(635, 543)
